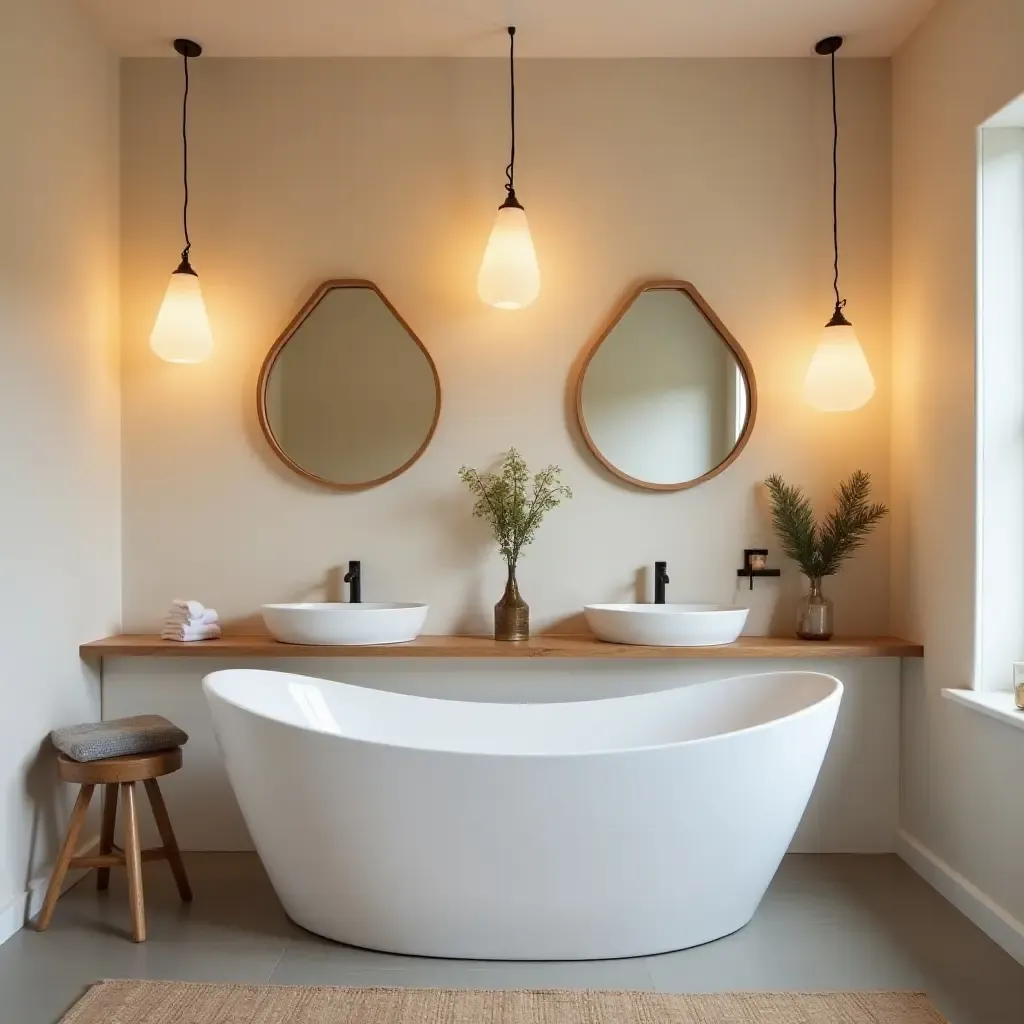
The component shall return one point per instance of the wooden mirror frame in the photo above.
(278, 347)
(726, 336)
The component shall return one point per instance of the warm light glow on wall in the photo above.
(182, 332)
(839, 378)
(509, 276)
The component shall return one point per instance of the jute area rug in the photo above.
(170, 1002)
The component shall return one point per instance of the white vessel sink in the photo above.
(345, 625)
(666, 625)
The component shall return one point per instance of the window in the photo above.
(999, 632)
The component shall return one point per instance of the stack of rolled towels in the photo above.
(189, 620)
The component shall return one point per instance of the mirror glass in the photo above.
(349, 396)
(666, 397)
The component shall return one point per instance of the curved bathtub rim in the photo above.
(834, 695)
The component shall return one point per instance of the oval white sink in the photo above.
(666, 625)
(345, 625)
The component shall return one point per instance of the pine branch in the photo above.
(793, 521)
(848, 526)
(820, 550)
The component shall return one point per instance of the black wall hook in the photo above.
(755, 562)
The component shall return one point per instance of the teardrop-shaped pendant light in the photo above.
(182, 333)
(509, 277)
(838, 378)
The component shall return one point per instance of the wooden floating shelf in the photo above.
(555, 646)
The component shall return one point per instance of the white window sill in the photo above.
(997, 704)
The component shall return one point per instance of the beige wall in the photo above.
(713, 171)
(961, 795)
(59, 462)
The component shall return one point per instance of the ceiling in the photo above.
(473, 28)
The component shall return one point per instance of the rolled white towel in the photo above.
(180, 616)
(193, 609)
(189, 633)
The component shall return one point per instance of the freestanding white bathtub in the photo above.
(586, 830)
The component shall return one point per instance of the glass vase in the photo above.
(511, 613)
(815, 618)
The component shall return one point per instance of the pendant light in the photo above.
(838, 378)
(181, 333)
(509, 277)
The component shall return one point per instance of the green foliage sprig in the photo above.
(512, 504)
(821, 548)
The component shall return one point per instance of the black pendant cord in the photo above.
(184, 170)
(829, 46)
(835, 188)
(188, 49)
(510, 170)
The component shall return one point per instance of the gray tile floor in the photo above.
(828, 922)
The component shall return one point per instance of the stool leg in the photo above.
(107, 832)
(67, 851)
(163, 823)
(133, 860)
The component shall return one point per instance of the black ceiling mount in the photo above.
(828, 45)
(187, 48)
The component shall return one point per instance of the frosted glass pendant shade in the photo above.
(509, 277)
(182, 333)
(839, 378)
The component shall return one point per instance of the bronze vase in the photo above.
(511, 613)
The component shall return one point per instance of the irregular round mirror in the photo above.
(348, 396)
(666, 396)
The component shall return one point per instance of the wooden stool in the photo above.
(114, 773)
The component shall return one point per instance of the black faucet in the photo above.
(354, 580)
(660, 579)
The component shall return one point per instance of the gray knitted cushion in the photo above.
(140, 734)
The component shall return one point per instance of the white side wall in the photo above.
(962, 798)
(59, 411)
